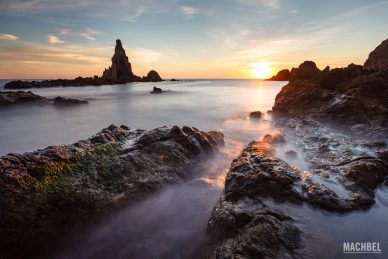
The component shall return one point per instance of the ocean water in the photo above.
(205, 104)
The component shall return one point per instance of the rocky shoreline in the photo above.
(10, 98)
(49, 193)
(329, 150)
(120, 72)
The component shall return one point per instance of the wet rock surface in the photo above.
(49, 193)
(341, 175)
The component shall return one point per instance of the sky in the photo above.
(185, 38)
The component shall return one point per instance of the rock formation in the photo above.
(50, 192)
(378, 58)
(306, 70)
(120, 71)
(21, 97)
(255, 115)
(152, 76)
(245, 224)
(282, 75)
(346, 96)
(337, 171)
(156, 90)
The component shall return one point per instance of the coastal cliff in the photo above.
(120, 72)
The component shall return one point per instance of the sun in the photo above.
(261, 70)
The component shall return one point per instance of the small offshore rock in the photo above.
(255, 115)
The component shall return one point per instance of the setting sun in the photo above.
(261, 70)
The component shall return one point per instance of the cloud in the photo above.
(87, 34)
(138, 12)
(189, 11)
(54, 39)
(65, 54)
(273, 4)
(4, 36)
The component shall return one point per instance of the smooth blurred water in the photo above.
(205, 104)
(172, 222)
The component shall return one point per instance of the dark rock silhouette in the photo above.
(21, 97)
(306, 70)
(120, 72)
(346, 96)
(255, 115)
(156, 90)
(378, 58)
(68, 101)
(152, 76)
(282, 75)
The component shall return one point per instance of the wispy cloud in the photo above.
(87, 34)
(26, 59)
(54, 39)
(138, 12)
(274, 4)
(5, 36)
(189, 11)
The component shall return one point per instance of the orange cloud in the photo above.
(4, 36)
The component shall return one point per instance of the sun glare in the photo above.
(261, 70)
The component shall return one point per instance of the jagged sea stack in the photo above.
(120, 71)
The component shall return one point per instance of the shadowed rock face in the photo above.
(348, 96)
(50, 192)
(378, 58)
(306, 70)
(282, 75)
(120, 70)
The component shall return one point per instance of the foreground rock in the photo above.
(8, 98)
(120, 72)
(245, 225)
(52, 192)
